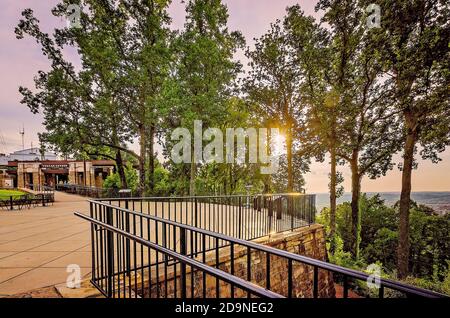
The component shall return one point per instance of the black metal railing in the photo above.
(112, 277)
(93, 192)
(43, 189)
(243, 216)
(27, 200)
(148, 273)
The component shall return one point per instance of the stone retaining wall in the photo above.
(307, 241)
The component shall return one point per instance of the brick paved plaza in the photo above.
(37, 244)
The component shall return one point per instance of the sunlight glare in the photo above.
(279, 144)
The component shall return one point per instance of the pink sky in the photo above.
(20, 61)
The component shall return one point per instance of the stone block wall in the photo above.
(307, 241)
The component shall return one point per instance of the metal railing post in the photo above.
(316, 282)
(196, 225)
(313, 207)
(127, 243)
(91, 213)
(183, 265)
(279, 208)
(290, 203)
(240, 218)
(110, 253)
(11, 202)
(270, 213)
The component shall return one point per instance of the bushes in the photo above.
(113, 180)
(429, 237)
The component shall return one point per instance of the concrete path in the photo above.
(37, 244)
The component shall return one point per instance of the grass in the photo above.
(5, 194)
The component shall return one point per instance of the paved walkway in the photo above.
(37, 244)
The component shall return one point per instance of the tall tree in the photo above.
(122, 46)
(80, 111)
(368, 118)
(147, 48)
(205, 71)
(414, 40)
(273, 87)
(313, 54)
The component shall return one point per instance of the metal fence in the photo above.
(93, 192)
(242, 216)
(130, 258)
(28, 200)
(116, 277)
(40, 188)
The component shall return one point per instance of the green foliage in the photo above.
(429, 236)
(343, 258)
(6, 194)
(440, 286)
(163, 186)
(113, 180)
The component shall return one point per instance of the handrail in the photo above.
(204, 196)
(294, 257)
(231, 279)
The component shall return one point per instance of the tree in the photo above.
(80, 112)
(368, 120)
(114, 97)
(413, 39)
(273, 88)
(205, 70)
(146, 45)
(312, 52)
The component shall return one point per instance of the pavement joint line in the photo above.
(26, 228)
(39, 233)
(34, 225)
(40, 266)
(30, 249)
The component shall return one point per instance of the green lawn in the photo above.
(5, 194)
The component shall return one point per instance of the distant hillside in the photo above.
(439, 201)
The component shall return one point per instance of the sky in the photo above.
(21, 59)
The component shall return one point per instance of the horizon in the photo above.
(20, 61)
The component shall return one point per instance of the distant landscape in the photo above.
(439, 201)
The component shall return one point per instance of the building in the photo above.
(31, 154)
(51, 172)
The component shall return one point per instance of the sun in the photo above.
(279, 144)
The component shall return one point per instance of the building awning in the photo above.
(55, 166)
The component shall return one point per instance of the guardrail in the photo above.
(194, 242)
(243, 216)
(27, 201)
(115, 281)
(40, 188)
(93, 192)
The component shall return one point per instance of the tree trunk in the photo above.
(121, 170)
(333, 198)
(151, 160)
(143, 146)
(356, 217)
(408, 161)
(290, 185)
